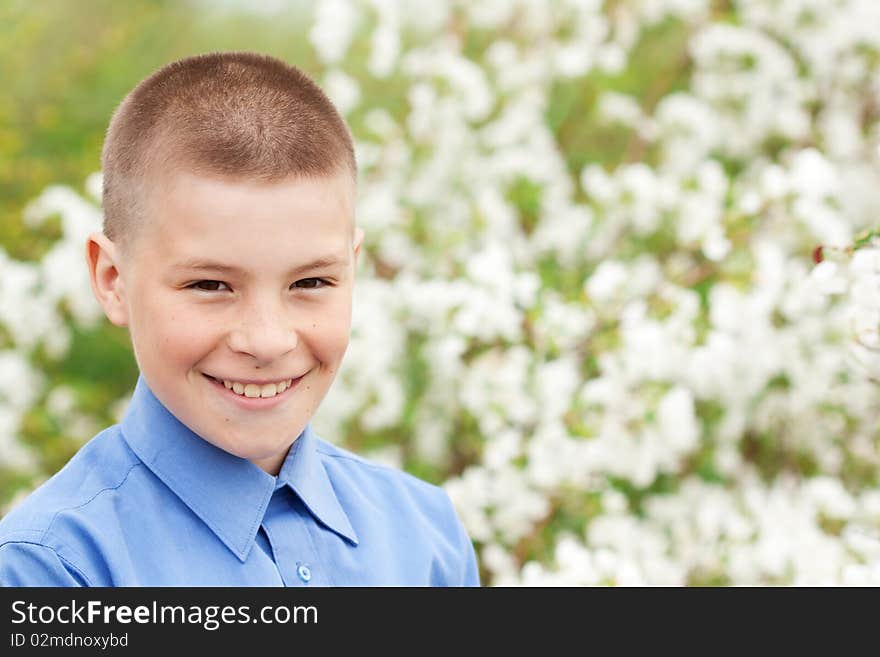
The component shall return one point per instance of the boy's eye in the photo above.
(210, 286)
(311, 283)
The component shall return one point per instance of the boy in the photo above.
(229, 251)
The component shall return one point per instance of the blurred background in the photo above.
(587, 304)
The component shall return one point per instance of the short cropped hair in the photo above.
(229, 114)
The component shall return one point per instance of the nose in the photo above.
(265, 332)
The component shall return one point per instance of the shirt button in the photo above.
(304, 572)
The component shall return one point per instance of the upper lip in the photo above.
(258, 382)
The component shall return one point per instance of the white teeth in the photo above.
(254, 390)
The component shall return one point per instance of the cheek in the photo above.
(176, 333)
(329, 334)
(181, 340)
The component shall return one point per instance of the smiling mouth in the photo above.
(255, 390)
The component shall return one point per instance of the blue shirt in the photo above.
(147, 502)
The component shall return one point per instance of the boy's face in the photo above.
(224, 284)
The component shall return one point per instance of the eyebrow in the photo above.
(323, 262)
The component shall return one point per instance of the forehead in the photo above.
(198, 216)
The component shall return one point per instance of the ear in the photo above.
(102, 258)
(358, 240)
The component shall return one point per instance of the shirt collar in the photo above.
(304, 472)
(230, 494)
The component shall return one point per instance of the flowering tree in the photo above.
(587, 304)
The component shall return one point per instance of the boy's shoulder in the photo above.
(100, 466)
(347, 467)
(400, 498)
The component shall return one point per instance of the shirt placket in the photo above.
(287, 526)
